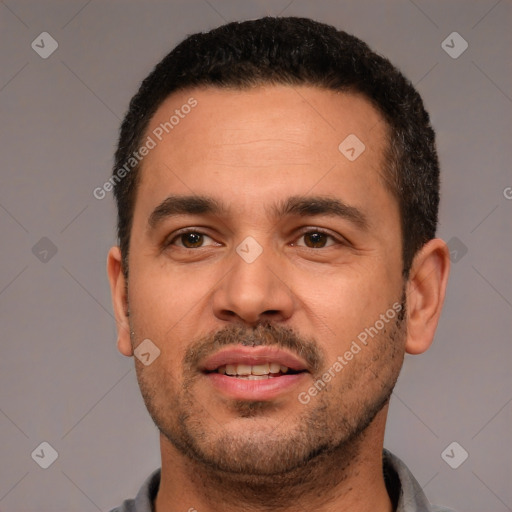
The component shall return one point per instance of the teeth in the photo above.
(258, 371)
(255, 377)
(230, 369)
(275, 367)
(243, 369)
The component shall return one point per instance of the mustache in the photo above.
(264, 334)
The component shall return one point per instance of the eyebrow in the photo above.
(184, 205)
(310, 206)
(303, 206)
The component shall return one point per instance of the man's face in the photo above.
(288, 254)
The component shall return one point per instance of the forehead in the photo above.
(264, 141)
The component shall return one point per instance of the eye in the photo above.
(191, 240)
(316, 240)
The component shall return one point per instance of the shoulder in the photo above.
(143, 502)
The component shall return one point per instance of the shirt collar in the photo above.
(401, 483)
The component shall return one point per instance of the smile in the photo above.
(255, 372)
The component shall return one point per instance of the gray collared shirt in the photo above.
(401, 484)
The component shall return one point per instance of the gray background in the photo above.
(61, 378)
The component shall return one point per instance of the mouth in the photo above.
(254, 373)
(269, 370)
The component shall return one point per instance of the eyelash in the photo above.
(187, 231)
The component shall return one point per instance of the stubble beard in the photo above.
(320, 441)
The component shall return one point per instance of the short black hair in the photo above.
(295, 51)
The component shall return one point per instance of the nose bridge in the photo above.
(252, 289)
(251, 267)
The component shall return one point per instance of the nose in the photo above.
(253, 291)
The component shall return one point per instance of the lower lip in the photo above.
(264, 389)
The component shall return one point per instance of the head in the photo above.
(287, 200)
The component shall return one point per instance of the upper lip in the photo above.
(252, 356)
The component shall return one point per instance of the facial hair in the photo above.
(263, 450)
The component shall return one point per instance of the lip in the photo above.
(252, 356)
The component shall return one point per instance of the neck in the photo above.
(349, 478)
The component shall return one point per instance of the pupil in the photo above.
(192, 239)
(315, 239)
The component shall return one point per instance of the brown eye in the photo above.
(191, 240)
(315, 239)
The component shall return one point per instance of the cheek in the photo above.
(160, 303)
(341, 305)
(159, 288)
(344, 290)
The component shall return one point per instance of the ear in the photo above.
(426, 289)
(119, 300)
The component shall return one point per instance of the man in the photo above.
(277, 187)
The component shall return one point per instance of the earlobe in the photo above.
(119, 300)
(426, 289)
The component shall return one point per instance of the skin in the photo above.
(251, 150)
